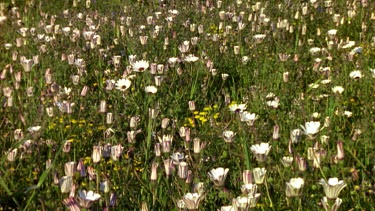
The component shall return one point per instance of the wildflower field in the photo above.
(187, 105)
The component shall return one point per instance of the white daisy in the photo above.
(123, 84)
(338, 89)
(140, 66)
(191, 58)
(151, 89)
(356, 74)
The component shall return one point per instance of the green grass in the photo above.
(27, 183)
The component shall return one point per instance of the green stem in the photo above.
(268, 194)
(149, 133)
(193, 88)
(246, 152)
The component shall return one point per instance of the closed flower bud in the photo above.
(182, 170)
(197, 145)
(157, 150)
(247, 177)
(81, 168)
(103, 106)
(96, 154)
(301, 163)
(191, 105)
(340, 150)
(154, 171)
(168, 166)
(165, 123)
(276, 132)
(70, 169)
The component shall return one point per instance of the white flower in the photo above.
(66, 90)
(273, 103)
(259, 175)
(333, 187)
(311, 128)
(228, 136)
(332, 32)
(314, 50)
(356, 74)
(123, 84)
(7, 46)
(172, 61)
(296, 135)
(356, 50)
(245, 202)
(338, 89)
(227, 208)
(34, 129)
(262, 148)
(191, 58)
(261, 151)
(237, 107)
(372, 72)
(348, 113)
(192, 201)
(151, 89)
(348, 45)
(245, 59)
(259, 37)
(218, 176)
(315, 115)
(87, 198)
(165, 138)
(294, 187)
(325, 81)
(334, 206)
(177, 157)
(249, 118)
(287, 161)
(140, 66)
(249, 189)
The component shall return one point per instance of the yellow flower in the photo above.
(203, 113)
(208, 108)
(87, 160)
(101, 128)
(203, 119)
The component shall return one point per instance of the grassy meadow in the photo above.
(187, 105)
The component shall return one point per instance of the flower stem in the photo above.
(246, 152)
(268, 194)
